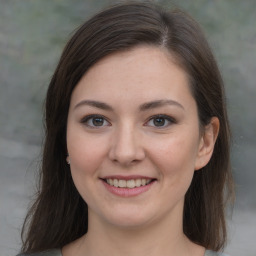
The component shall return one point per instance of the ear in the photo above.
(207, 142)
(68, 159)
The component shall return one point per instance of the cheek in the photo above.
(85, 160)
(86, 153)
(176, 156)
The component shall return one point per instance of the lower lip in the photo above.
(127, 192)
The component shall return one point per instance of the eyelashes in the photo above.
(160, 121)
(157, 121)
(95, 121)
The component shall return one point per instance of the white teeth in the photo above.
(138, 183)
(115, 183)
(128, 183)
(110, 182)
(122, 183)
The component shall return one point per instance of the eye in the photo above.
(95, 121)
(160, 121)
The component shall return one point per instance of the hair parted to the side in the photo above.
(59, 214)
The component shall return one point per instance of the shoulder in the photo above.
(212, 253)
(55, 252)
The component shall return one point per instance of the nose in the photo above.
(126, 146)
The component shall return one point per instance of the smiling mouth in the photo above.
(132, 183)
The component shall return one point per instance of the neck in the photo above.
(131, 241)
(163, 238)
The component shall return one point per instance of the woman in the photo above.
(136, 154)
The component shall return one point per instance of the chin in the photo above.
(129, 218)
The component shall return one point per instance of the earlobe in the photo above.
(207, 142)
(68, 160)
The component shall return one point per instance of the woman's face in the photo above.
(133, 138)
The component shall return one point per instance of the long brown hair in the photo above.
(59, 214)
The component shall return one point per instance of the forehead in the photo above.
(142, 73)
(149, 59)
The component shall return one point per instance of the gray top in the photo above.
(57, 252)
(212, 253)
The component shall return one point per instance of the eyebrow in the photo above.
(143, 107)
(93, 103)
(159, 103)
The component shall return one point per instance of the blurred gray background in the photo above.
(32, 35)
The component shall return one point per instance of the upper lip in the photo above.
(130, 177)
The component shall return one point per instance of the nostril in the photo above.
(126, 148)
